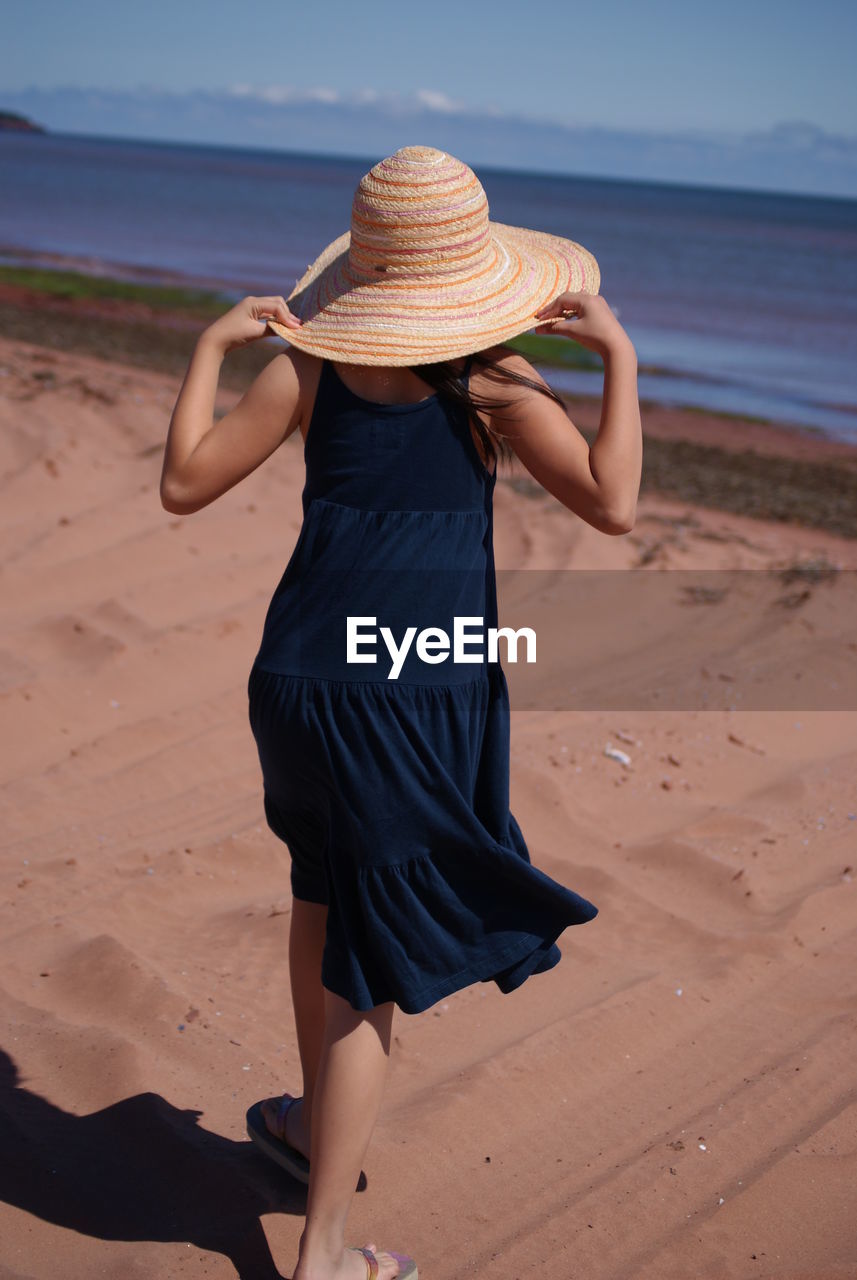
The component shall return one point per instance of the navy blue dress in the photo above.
(389, 782)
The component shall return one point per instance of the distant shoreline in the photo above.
(136, 295)
(753, 468)
(575, 371)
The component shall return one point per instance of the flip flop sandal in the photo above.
(276, 1148)
(407, 1266)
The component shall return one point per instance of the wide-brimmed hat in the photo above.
(424, 275)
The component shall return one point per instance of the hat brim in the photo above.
(402, 321)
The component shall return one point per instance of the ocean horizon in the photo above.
(745, 302)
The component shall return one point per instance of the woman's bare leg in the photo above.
(307, 933)
(349, 1089)
(306, 945)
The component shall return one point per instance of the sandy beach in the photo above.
(674, 1100)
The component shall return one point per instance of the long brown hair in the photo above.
(447, 383)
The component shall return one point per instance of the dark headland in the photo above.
(16, 123)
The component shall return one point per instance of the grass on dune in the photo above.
(559, 353)
(77, 284)
(565, 353)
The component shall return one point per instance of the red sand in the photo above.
(675, 1099)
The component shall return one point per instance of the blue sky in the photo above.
(647, 64)
(758, 94)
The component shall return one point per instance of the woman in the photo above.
(410, 876)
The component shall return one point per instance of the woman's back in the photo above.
(379, 386)
(397, 526)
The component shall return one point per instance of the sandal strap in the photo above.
(371, 1261)
(283, 1107)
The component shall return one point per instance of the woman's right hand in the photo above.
(593, 324)
(247, 321)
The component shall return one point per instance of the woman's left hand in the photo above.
(246, 322)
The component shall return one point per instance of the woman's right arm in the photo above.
(601, 482)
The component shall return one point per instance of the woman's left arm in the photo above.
(203, 459)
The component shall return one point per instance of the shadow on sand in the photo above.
(140, 1170)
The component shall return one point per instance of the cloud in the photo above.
(283, 95)
(436, 101)
(792, 156)
(278, 95)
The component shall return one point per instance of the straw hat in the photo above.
(423, 275)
